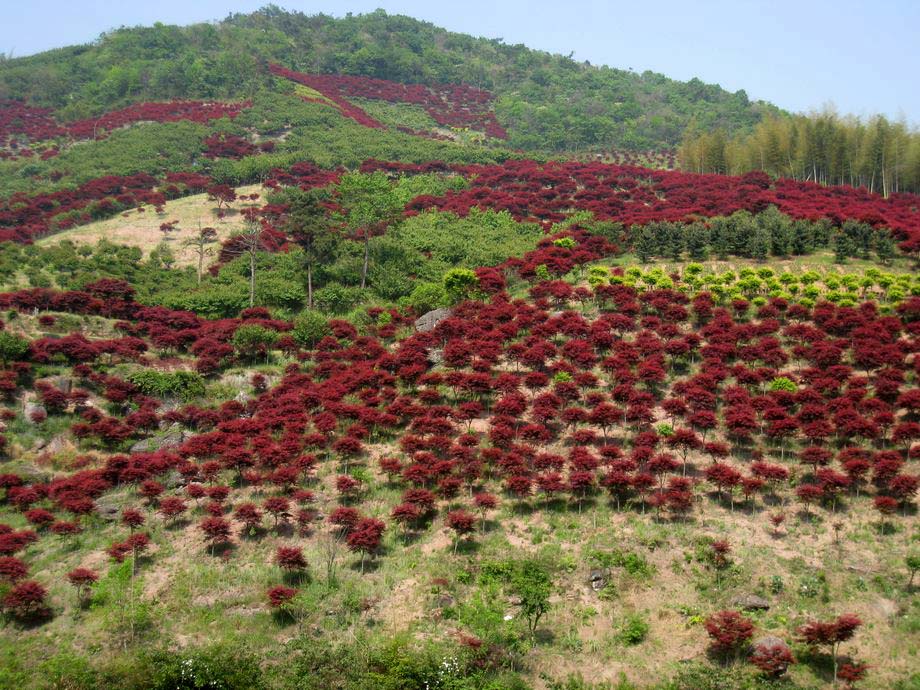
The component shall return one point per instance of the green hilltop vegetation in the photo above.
(545, 101)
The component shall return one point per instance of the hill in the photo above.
(311, 378)
(546, 102)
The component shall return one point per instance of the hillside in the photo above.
(327, 363)
(546, 102)
(559, 486)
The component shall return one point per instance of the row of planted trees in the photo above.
(878, 154)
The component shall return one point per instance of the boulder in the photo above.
(33, 475)
(56, 444)
(445, 601)
(598, 579)
(750, 602)
(63, 384)
(30, 409)
(108, 511)
(174, 480)
(173, 438)
(429, 320)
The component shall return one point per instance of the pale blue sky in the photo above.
(862, 56)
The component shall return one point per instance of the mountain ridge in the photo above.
(547, 101)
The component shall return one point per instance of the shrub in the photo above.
(82, 579)
(772, 659)
(185, 385)
(279, 596)
(12, 347)
(12, 569)
(26, 602)
(634, 630)
(459, 284)
(309, 328)
(729, 631)
(213, 667)
(337, 299)
(830, 634)
(252, 341)
(290, 558)
(427, 296)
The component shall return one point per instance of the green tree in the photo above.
(248, 242)
(370, 205)
(311, 228)
(309, 328)
(427, 296)
(532, 585)
(252, 341)
(12, 347)
(697, 239)
(644, 244)
(201, 243)
(913, 565)
(459, 283)
(761, 243)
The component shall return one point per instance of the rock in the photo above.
(108, 511)
(860, 570)
(176, 436)
(436, 356)
(56, 444)
(885, 607)
(34, 476)
(598, 579)
(750, 602)
(445, 601)
(174, 480)
(64, 384)
(429, 320)
(145, 445)
(30, 409)
(242, 397)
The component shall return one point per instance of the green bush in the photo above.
(633, 630)
(338, 299)
(459, 284)
(12, 347)
(221, 668)
(185, 385)
(252, 341)
(426, 296)
(309, 328)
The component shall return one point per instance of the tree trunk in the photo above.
(310, 286)
(200, 264)
(367, 241)
(252, 278)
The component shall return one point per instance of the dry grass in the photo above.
(142, 229)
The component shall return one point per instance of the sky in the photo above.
(861, 57)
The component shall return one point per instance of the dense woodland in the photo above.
(878, 154)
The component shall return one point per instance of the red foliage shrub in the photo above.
(12, 569)
(772, 659)
(729, 631)
(279, 596)
(290, 558)
(26, 602)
